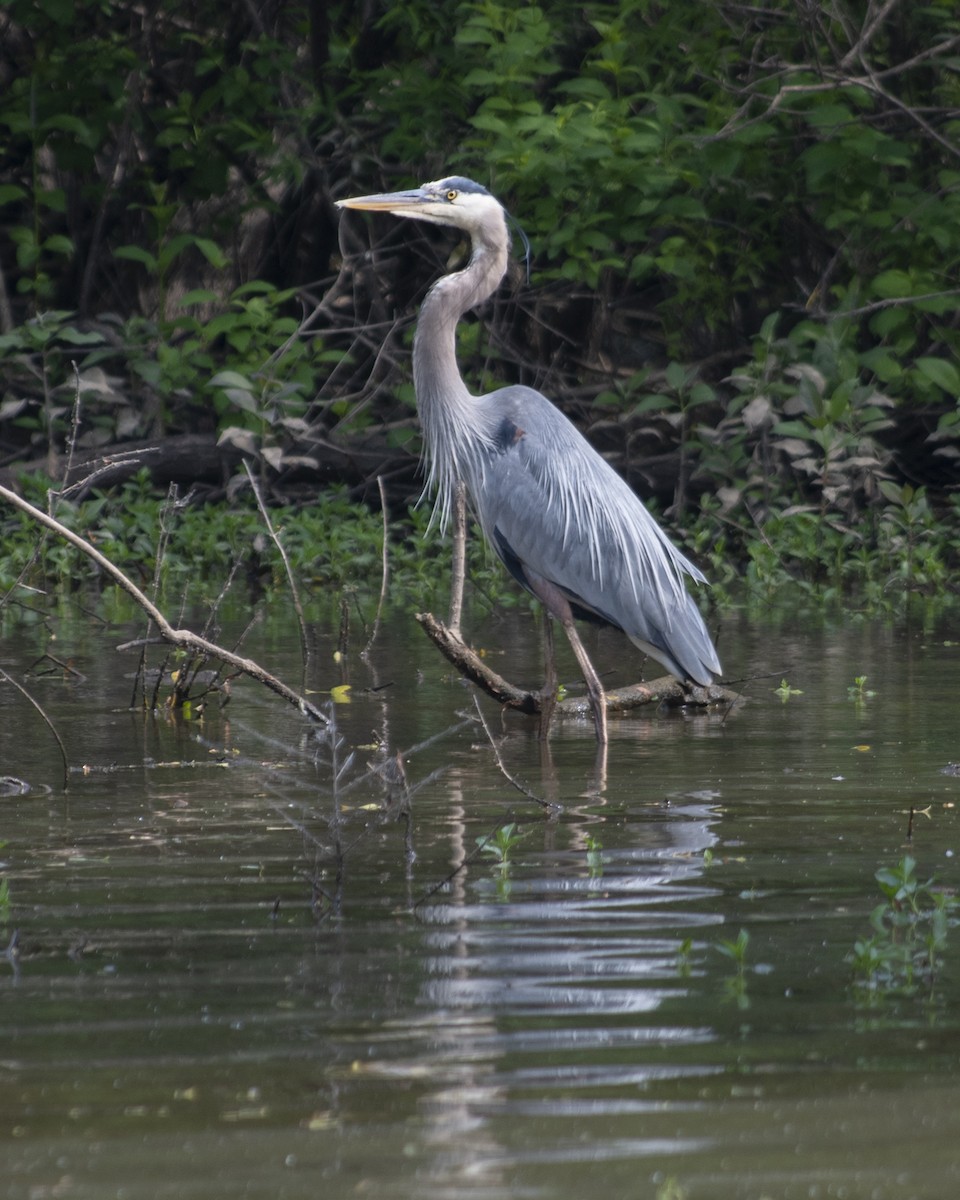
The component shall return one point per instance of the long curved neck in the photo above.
(455, 437)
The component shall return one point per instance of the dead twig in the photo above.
(515, 783)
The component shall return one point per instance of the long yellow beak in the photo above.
(401, 203)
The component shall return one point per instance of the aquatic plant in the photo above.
(904, 954)
(858, 690)
(594, 856)
(671, 1189)
(684, 957)
(500, 844)
(736, 949)
(735, 987)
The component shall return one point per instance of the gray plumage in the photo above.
(567, 527)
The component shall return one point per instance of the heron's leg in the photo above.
(548, 693)
(598, 701)
(556, 603)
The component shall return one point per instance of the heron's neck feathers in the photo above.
(455, 428)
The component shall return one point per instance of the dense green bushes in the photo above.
(745, 220)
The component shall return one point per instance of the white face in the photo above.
(446, 204)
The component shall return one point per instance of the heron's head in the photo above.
(453, 201)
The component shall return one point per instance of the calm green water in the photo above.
(207, 1005)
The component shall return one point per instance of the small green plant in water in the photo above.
(594, 856)
(672, 1189)
(684, 956)
(904, 953)
(858, 689)
(785, 691)
(5, 903)
(500, 844)
(736, 949)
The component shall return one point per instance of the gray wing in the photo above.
(549, 503)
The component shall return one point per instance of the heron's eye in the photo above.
(451, 195)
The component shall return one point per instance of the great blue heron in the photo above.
(566, 526)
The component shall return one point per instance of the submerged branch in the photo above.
(665, 690)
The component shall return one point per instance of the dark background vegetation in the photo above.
(745, 282)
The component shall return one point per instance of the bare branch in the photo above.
(873, 22)
(515, 783)
(891, 302)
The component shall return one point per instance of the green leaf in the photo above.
(68, 123)
(794, 429)
(10, 192)
(889, 284)
(76, 337)
(941, 372)
(825, 116)
(654, 404)
(677, 376)
(480, 77)
(211, 252)
(137, 254)
(173, 249)
(198, 296)
(489, 123)
(57, 243)
(231, 379)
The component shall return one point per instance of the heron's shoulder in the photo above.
(515, 396)
(518, 413)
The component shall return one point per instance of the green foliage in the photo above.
(246, 364)
(758, 282)
(802, 459)
(904, 954)
(332, 544)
